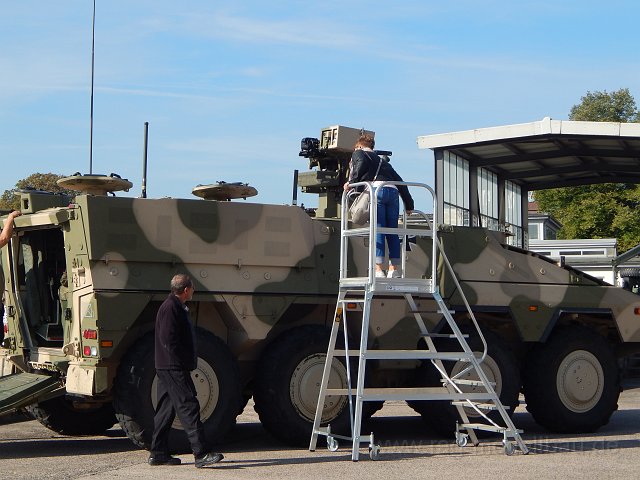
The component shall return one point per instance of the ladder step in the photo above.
(490, 428)
(417, 355)
(431, 311)
(416, 393)
(481, 406)
(464, 381)
(406, 355)
(342, 352)
(443, 335)
(420, 312)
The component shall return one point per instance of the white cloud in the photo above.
(304, 31)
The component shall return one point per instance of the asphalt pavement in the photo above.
(408, 450)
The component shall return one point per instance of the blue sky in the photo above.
(230, 87)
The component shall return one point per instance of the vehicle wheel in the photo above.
(287, 386)
(500, 366)
(216, 380)
(61, 415)
(571, 382)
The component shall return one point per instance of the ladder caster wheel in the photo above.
(332, 444)
(374, 452)
(509, 447)
(462, 439)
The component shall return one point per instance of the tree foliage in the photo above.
(10, 199)
(605, 210)
(596, 211)
(618, 106)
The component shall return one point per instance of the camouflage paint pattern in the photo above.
(258, 270)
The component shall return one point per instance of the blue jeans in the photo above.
(388, 213)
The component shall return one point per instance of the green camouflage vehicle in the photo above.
(84, 277)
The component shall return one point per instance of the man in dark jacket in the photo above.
(175, 358)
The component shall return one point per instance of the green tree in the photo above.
(10, 199)
(618, 106)
(605, 210)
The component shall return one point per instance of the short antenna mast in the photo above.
(93, 42)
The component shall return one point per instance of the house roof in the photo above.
(549, 153)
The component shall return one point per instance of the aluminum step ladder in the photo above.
(362, 290)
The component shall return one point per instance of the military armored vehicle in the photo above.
(84, 277)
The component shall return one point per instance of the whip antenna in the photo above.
(93, 42)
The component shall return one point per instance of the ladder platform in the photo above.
(415, 393)
(389, 286)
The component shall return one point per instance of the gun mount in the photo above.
(329, 158)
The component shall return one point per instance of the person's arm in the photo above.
(7, 231)
(406, 198)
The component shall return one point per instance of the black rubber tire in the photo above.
(133, 392)
(549, 403)
(441, 416)
(60, 415)
(279, 366)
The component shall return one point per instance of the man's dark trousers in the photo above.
(177, 396)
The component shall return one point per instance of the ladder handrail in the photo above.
(374, 188)
(466, 304)
(464, 299)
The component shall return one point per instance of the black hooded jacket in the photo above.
(175, 337)
(364, 164)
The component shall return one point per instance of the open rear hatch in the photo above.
(22, 389)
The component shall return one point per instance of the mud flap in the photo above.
(22, 389)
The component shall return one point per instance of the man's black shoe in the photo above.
(208, 459)
(164, 460)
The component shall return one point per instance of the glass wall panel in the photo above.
(488, 198)
(513, 212)
(456, 194)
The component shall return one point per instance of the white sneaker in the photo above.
(395, 273)
(380, 274)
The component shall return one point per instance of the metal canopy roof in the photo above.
(549, 153)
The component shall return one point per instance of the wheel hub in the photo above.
(207, 390)
(580, 381)
(304, 387)
(490, 369)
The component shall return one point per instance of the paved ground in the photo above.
(409, 450)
